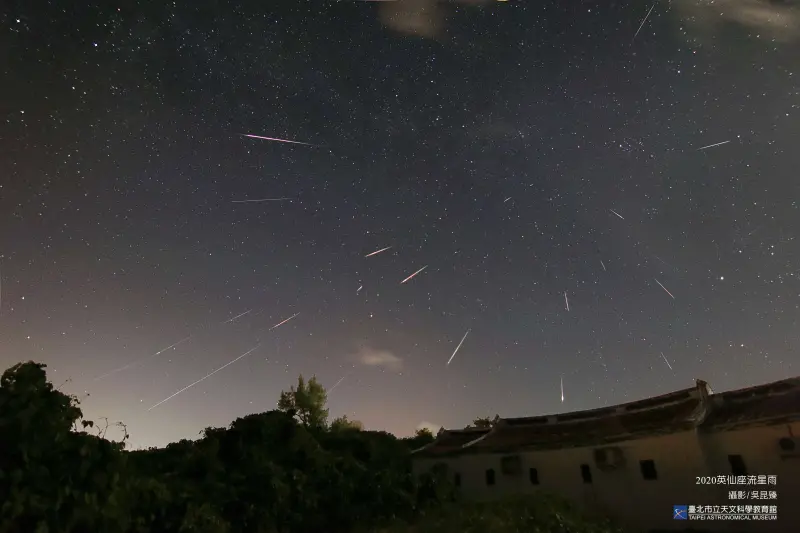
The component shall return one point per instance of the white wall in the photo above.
(762, 456)
(639, 503)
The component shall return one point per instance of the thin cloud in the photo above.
(379, 358)
(778, 20)
(423, 18)
(430, 426)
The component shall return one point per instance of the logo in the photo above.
(680, 512)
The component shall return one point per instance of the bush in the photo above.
(274, 472)
(538, 514)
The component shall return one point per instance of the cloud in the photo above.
(778, 19)
(424, 18)
(380, 358)
(433, 428)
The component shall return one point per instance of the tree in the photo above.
(343, 423)
(264, 472)
(422, 437)
(425, 433)
(53, 475)
(482, 422)
(307, 402)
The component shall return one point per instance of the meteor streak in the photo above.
(339, 382)
(276, 139)
(604, 266)
(457, 348)
(665, 360)
(665, 289)
(713, 145)
(562, 389)
(620, 216)
(260, 200)
(237, 316)
(245, 354)
(643, 21)
(376, 252)
(131, 365)
(414, 274)
(283, 322)
(566, 300)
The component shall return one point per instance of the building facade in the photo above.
(634, 462)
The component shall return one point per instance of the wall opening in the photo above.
(586, 474)
(738, 467)
(490, 477)
(533, 475)
(648, 468)
(457, 480)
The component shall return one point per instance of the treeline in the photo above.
(283, 471)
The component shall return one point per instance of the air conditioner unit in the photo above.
(610, 458)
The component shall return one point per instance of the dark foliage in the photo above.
(275, 472)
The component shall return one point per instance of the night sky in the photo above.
(542, 161)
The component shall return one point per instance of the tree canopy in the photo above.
(280, 471)
(307, 402)
(484, 422)
(343, 423)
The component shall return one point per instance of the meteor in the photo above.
(713, 145)
(457, 348)
(245, 354)
(283, 322)
(260, 200)
(276, 139)
(414, 274)
(665, 360)
(665, 289)
(237, 316)
(376, 252)
(131, 365)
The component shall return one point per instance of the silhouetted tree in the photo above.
(424, 433)
(482, 422)
(307, 401)
(273, 472)
(343, 423)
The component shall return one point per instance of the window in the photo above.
(490, 477)
(586, 474)
(648, 468)
(457, 480)
(737, 465)
(533, 475)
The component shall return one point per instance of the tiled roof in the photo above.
(771, 403)
(450, 441)
(624, 422)
(677, 411)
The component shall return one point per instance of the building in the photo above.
(635, 461)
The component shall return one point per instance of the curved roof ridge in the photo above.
(652, 402)
(781, 386)
(441, 438)
(491, 431)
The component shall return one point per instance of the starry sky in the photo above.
(544, 163)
